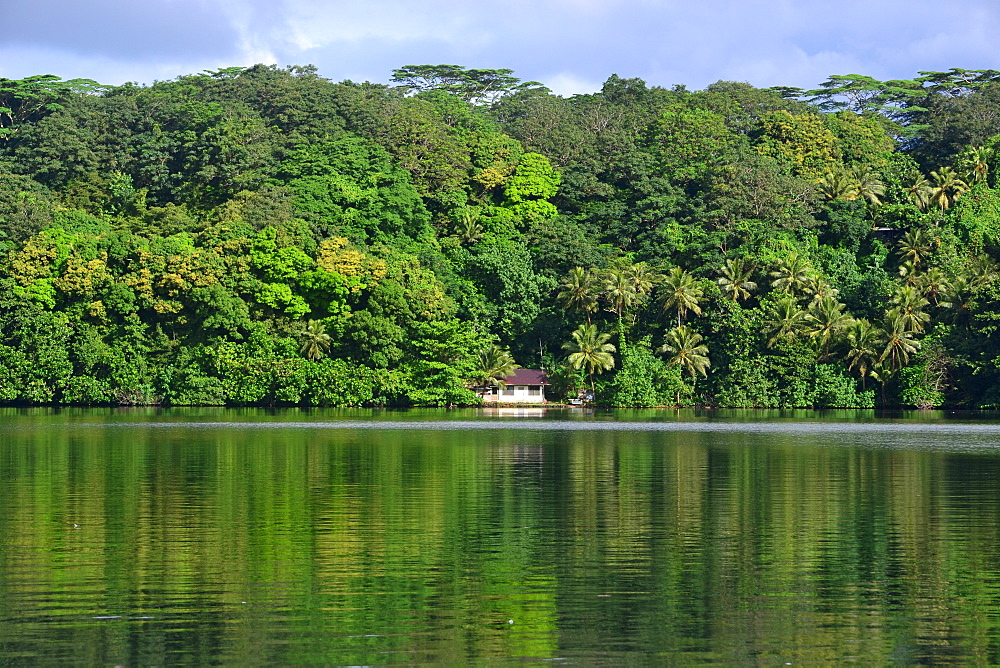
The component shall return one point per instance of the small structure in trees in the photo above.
(524, 386)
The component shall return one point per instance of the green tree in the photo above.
(734, 279)
(863, 347)
(579, 292)
(315, 342)
(590, 350)
(686, 351)
(492, 365)
(681, 292)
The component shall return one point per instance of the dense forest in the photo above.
(265, 236)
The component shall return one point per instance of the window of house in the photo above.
(522, 388)
(509, 390)
(535, 391)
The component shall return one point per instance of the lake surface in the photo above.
(200, 536)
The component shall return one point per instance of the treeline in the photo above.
(267, 236)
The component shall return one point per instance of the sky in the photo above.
(571, 46)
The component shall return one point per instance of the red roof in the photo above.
(527, 377)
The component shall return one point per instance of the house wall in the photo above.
(517, 394)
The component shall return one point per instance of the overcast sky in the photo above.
(572, 46)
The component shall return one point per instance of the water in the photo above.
(207, 536)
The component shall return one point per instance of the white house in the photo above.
(526, 386)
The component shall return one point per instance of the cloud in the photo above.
(568, 84)
(567, 44)
(119, 29)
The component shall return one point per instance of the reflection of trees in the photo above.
(687, 545)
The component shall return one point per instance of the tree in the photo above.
(579, 291)
(909, 307)
(862, 347)
(947, 188)
(784, 320)
(687, 352)
(914, 247)
(734, 279)
(682, 292)
(590, 350)
(824, 321)
(493, 364)
(315, 342)
(919, 191)
(792, 274)
(898, 343)
(472, 85)
(687, 349)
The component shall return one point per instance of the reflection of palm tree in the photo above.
(862, 347)
(315, 340)
(591, 351)
(947, 188)
(682, 292)
(579, 291)
(734, 279)
(493, 364)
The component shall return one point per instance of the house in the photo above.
(526, 386)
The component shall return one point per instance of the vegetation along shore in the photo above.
(265, 236)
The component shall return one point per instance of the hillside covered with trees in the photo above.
(266, 236)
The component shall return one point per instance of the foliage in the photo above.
(263, 236)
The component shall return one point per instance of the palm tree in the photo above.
(947, 188)
(591, 351)
(467, 227)
(818, 287)
(909, 273)
(909, 305)
(914, 247)
(862, 348)
(619, 290)
(919, 192)
(734, 279)
(898, 343)
(315, 341)
(933, 285)
(785, 319)
(837, 183)
(643, 278)
(681, 292)
(868, 186)
(976, 160)
(792, 274)
(493, 364)
(687, 351)
(824, 321)
(579, 291)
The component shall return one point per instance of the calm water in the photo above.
(289, 537)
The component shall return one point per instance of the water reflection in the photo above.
(254, 538)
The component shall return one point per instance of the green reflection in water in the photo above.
(149, 537)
